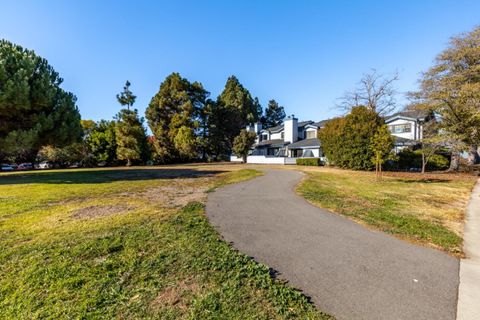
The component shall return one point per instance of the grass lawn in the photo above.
(129, 244)
(428, 210)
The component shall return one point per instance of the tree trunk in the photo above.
(454, 162)
(244, 158)
(129, 162)
(473, 156)
(424, 163)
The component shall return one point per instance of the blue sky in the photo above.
(304, 54)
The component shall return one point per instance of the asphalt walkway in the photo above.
(348, 271)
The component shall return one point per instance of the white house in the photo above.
(285, 143)
(407, 127)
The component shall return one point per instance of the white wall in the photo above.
(414, 134)
(276, 135)
(290, 126)
(310, 130)
(265, 160)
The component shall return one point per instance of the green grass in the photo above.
(429, 212)
(150, 261)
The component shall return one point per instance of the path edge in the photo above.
(468, 306)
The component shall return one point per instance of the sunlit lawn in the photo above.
(129, 244)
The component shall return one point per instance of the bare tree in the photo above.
(375, 91)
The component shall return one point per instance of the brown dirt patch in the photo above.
(176, 295)
(178, 193)
(92, 212)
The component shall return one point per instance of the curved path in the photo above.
(348, 271)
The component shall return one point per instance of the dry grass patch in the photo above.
(97, 211)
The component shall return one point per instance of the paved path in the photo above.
(347, 270)
(469, 290)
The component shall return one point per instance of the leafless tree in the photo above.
(375, 91)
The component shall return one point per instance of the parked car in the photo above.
(6, 167)
(44, 165)
(24, 166)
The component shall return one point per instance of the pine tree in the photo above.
(233, 110)
(274, 114)
(130, 136)
(174, 115)
(126, 97)
(34, 110)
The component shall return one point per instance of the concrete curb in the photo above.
(468, 307)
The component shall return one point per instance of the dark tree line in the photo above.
(40, 121)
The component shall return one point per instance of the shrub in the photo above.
(347, 141)
(408, 159)
(309, 162)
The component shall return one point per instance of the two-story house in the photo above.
(286, 142)
(407, 127)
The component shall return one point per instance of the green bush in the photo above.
(309, 162)
(438, 162)
(347, 141)
(408, 159)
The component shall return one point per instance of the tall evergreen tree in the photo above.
(131, 138)
(34, 110)
(234, 109)
(126, 97)
(130, 135)
(174, 116)
(274, 114)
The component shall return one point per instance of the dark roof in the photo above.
(321, 123)
(314, 142)
(271, 143)
(400, 141)
(280, 127)
(413, 114)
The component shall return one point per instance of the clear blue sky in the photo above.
(304, 54)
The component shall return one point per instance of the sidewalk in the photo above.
(469, 290)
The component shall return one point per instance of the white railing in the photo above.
(266, 160)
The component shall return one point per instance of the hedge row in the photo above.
(309, 162)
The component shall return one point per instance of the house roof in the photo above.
(400, 141)
(321, 123)
(271, 143)
(301, 124)
(306, 143)
(409, 114)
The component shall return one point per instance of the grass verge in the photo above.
(427, 210)
(120, 243)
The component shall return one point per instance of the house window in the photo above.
(282, 135)
(311, 134)
(264, 137)
(271, 151)
(297, 153)
(400, 128)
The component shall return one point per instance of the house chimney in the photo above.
(290, 127)
(258, 127)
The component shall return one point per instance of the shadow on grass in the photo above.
(104, 175)
(431, 180)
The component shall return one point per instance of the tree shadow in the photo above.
(104, 175)
(426, 180)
